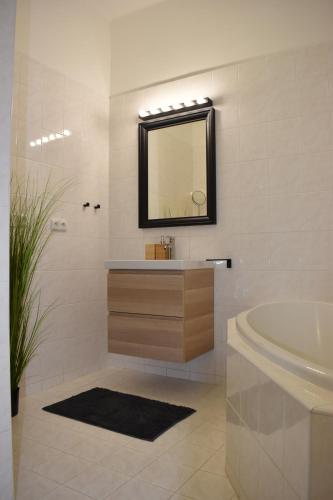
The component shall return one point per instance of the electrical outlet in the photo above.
(59, 225)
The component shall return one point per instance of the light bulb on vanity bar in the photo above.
(189, 103)
(201, 100)
(178, 105)
(143, 113)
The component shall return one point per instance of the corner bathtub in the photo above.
(280, 402)
(296, 335)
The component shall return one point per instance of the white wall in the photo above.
(7, 30)
(274, 139)
(71, 273)
(62, 82)
(68, 37)
(174, 38)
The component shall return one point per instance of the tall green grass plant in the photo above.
(31, 209)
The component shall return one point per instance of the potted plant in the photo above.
(29, 234)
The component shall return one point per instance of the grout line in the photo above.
(164, 450)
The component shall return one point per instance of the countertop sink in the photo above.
(172, 264)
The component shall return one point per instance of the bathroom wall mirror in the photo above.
(177, 185)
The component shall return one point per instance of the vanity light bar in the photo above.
(52, 137)
(177, 107)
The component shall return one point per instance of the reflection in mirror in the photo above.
(177, 177)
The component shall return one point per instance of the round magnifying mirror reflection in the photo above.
(199, 199)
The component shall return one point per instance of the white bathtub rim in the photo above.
(311, 371)
(313, 397)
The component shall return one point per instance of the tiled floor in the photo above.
(61, 459)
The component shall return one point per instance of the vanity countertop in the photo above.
(176, 265)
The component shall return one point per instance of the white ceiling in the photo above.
(111, 9)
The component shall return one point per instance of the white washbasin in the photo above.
(157, 264)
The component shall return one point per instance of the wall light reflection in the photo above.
(52, 137)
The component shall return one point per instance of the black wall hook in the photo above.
(86, 204)
(96, 207)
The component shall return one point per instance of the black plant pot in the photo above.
(15, 401)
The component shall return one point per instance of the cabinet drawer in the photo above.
(142, 292)
(146, 336)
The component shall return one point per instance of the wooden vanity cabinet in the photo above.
(167, 315)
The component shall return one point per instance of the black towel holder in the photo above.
(228, 261)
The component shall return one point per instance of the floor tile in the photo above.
(173, 435)
(155, 448)
(179, 497)
(165, 473)
(91, 450)
(63, 493)
(31, 406)
(29, 454)
(62, 459)
(29, 485)
(207, 486)
(63, 468)
(97, 482)
(137, 489)
(216, 464)
(102, 435)
(194, 421)
(58, 420)
(127, 461)
(207, 435)
(24, 425)
(63, 439)
(53, 434)
(190, 455)
(217, 420)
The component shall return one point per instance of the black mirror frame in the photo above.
(144, 128)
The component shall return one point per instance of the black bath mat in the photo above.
(131, 415)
